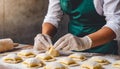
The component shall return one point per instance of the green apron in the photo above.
(85, 20)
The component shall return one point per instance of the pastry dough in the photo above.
(116, 64)
(67, 61)
(90, 65)
(33, 62)
(45, 57)
(101, 60)
(6, 44)
(26, 54)
(52, 51)
(78, 56)
(12, 58)
(55, 65)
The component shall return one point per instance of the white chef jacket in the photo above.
(108, 8)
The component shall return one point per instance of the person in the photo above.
(94, 26)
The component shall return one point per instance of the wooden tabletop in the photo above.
(18, 48)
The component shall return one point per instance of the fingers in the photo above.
(62, 45)
(42, 42)
(61, 40)
(38, 45)
(69, 45)
(48, 39)
(66, 48)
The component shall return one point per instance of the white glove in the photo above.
(70, 42)
(42, 42)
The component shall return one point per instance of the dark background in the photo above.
(21, 20)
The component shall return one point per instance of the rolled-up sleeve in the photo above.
(54, 13)
(111, 9)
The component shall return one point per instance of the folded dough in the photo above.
(78, 56)
(45, 57)
(55, 65)
(116, 64)
(26, 54)
(101, 60)
(12, 58)
(52, 51)
(67, 61)
(90, 65)
(33, 62)
(6, 44)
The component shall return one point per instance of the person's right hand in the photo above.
(42, 42)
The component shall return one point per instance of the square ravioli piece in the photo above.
(53, 52)
(68, 61)
(78, 56)
(12, 58)
(116, 64)
(90, 65)
(45, 57)
(33, 62)
(101, 60)
(55, 65)
(26, 54)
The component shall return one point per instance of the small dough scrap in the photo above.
(68, 61)
(55, 65)
(12, 58)
(101, 60)
(116, 64)
(78, 56)
(52, 51)
(90, 65)
(26, 54)
(33, 62)
(45, 57)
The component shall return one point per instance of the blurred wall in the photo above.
(21, 20)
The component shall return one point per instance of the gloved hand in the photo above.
(42, 42)
(71, 42)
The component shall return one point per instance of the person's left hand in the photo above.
(71, 42)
